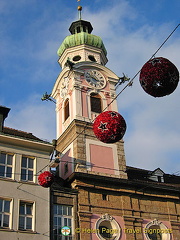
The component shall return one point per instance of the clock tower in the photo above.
(84, 88)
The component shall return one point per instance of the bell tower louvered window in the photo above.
(96, 105)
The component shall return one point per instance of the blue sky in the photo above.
(31, 31)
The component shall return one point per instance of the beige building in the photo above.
(24, 205)
(101, 198)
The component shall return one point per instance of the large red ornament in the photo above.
(159, 77)
(109, 127)
(46, 179)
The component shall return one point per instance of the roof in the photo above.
(21, 134)
(145, 175)
(85, 25)
(117, 182)
(79, 39)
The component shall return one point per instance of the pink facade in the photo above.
(101, 159)
(166, 223)
(59, 107)
(66, 165)
(84, 104)
(106, 88)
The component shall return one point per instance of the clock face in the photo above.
(95, 78)
(64, 87)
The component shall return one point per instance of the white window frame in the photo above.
(63, 217)
(27, 168)
(7, 165)
(27, 216)
(6, 213)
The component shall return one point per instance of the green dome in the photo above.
(81, 38)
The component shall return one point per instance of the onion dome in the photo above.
(81, 34)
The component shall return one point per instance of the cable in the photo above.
(131, 81)
(75, 163)
(129, 84)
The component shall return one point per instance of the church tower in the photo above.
(83, 89)
(100, 197)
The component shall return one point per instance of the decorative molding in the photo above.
(112, 225)
(107, 217)
(98, 143)
(165, 231)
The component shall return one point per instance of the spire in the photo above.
(80, 11)
(81, 36)
(80, 25)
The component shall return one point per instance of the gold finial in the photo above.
(79, 10)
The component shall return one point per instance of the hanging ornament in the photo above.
(159, 77)
(46, 179)
(109, 127)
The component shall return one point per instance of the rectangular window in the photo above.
(4, 213)
(104, 197)
(25, 215)
(62, 218)
(27, 168)
(6, 161)
(159, 178)
(66, 168)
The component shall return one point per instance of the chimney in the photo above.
(3, 114)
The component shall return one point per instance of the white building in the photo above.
(24, 205)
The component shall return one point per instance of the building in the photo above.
(100, 197)
(24, 205)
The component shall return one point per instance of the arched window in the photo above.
(96, 105)
(66, 109)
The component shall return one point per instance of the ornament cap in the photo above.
(79, 8)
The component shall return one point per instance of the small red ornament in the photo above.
(159, 77)
(109, 127)
(46, 179)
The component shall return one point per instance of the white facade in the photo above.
(24, 205)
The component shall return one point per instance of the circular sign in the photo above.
(65, 231)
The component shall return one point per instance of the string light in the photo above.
(128, 84)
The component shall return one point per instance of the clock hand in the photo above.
(94, 80)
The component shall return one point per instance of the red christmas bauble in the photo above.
(109, 127)
(159, 77)
(46, 179)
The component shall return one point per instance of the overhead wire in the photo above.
(128, 84)
(75, 163)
